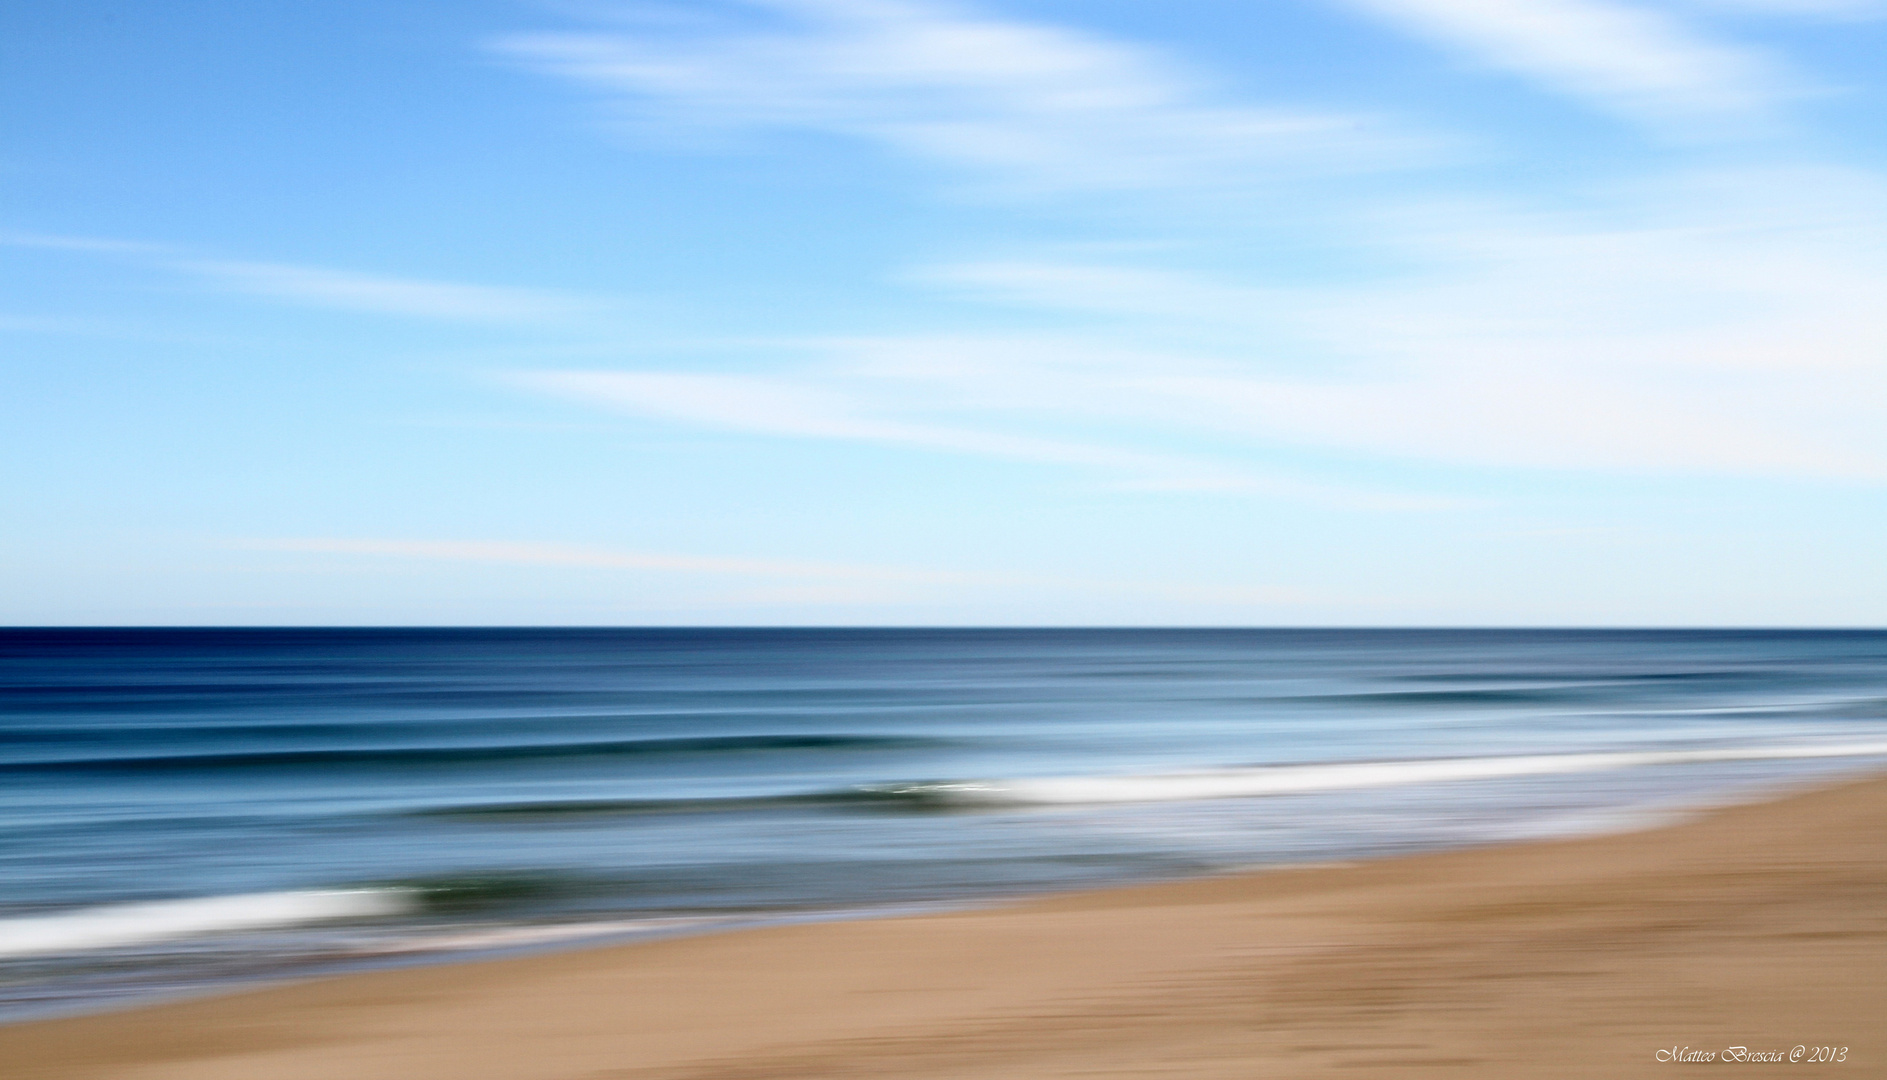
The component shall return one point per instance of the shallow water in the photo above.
(271, 800)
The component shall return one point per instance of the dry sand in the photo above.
(1757, 926)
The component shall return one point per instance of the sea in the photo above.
(185, 811)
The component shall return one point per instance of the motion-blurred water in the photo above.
(183, 808)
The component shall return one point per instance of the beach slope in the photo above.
(1762, 927)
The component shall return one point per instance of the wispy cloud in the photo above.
(1102, 288)
(1635, 61)
(1725, 323)
(377, 295)
(1722, 323)
(887, 391)
(786, 581)
(1554, 413)
(1023, 105)
(583, 556)
(801, 407)
(1831, 9)
(323, 287)
(87, 244)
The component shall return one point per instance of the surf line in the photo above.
(112, 925)
(1332, 776)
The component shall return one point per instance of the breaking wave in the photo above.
(1334, 776)
(116, 925)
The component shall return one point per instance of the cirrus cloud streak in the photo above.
(1023, 106)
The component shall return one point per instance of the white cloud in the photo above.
(1105, 289)
(880, 391)
(1024, 105)
(1554, 409)
(1721, 324)
(322, 287)
(1634, 61)
(584, 556)
(386, 295)
(789, 581)
(87, 244)
(1815, 9)
(800, 406)
(1724, 324)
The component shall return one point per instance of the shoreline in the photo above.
(627, 928)
(1751, 925)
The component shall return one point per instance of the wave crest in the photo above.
(115, 925)
(1263, 780)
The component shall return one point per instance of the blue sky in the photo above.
(1405, 312)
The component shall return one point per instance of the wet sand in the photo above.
(1763, 927)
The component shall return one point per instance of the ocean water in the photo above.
(183, 810)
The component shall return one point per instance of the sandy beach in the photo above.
(1761, 927)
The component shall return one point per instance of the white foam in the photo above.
(115, 925)
(1298, 779)
(505, 937)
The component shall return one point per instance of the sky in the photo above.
(873, 312)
